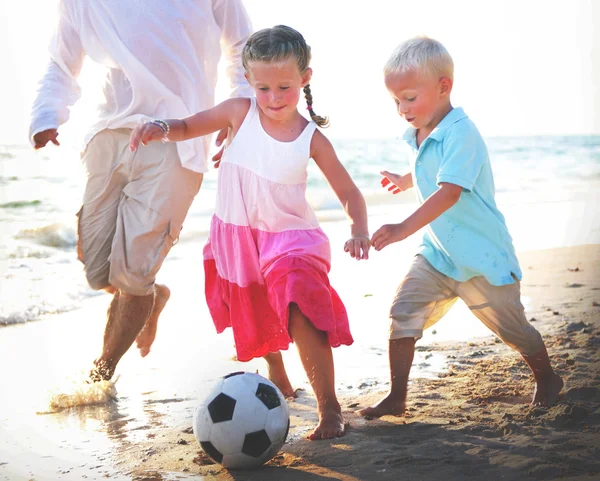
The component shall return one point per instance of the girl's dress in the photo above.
(265, 248)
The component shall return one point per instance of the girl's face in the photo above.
(277, 86)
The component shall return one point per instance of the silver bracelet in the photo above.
(164, 126)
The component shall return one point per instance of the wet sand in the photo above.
(474, 421)
(468, 410)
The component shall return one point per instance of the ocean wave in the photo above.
(53, 235)
(20, 203)
(32, 313)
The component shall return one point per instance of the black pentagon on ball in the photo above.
(213, 452)
(221, 408)
(231, 374)
(256, 443)
(268, 395)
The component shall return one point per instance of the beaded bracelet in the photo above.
(164, 126)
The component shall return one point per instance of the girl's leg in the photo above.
(278, 375)
(317, 359)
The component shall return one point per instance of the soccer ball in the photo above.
(243, 422)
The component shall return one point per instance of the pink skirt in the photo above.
(259, 313)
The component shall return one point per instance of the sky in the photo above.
(522, 67)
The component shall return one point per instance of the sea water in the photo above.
(547, 188)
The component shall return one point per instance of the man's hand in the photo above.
(398, 182)
(388, 234)
(42, 138)
(221, 136)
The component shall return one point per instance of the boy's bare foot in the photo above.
(331, 425)
(147, 335)
(546, 391)
(388, 405)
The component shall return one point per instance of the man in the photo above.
(161, 57)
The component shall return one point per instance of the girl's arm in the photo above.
(346, 191)
(229, 113)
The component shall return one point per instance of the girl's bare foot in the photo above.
(388, 405)
(147, 335)
(331, 425)
(546, 391)
(279, 377)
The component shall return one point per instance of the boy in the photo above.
(466, 250)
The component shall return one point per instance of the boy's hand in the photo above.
(143, 134)
(388, 234)
(358, 247)
(398, 182)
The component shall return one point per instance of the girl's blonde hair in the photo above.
(278, 44)
(423, 54)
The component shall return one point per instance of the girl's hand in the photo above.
(388, 234)
(145, 133)
(398, 182)
(358, 247)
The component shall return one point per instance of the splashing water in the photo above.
(81, 393)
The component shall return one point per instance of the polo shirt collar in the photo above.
(451, 117)
(456, 114)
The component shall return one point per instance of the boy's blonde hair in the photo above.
(423, 54)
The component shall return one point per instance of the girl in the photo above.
(266, 259)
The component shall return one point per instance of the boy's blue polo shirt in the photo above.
(471, 238)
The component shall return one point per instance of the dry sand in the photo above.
(473, 422)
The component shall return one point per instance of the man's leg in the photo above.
(151, 214)
(127, 314)
(147, 335)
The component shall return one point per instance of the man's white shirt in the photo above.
(161, 58)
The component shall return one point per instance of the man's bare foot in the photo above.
(546, 392)
(331, 425)
(101, 371)
(147, 335)
(388, 405)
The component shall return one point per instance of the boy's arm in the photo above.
(438, 203)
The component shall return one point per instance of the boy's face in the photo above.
(421, 99)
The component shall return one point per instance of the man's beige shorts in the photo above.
(426, 295)
(133, 210)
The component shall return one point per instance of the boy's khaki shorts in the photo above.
(426, 295)
(133, 210)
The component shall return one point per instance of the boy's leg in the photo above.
(401, 354)
(548, 384)
(317, 359)
(422, 299)
(278, 375)
(500, 309)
